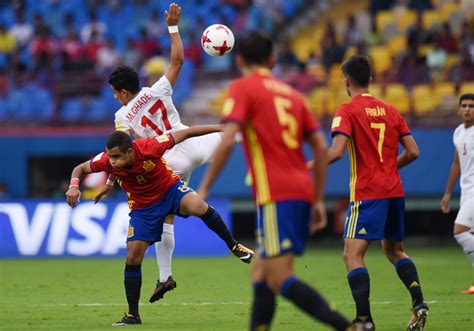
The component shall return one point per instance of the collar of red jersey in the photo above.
(365, 95)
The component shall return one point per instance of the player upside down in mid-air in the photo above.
(153, 193)
(149, 112)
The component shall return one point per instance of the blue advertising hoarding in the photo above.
(50, 228)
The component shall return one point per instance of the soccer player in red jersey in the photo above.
(372, 130)
(153, 192)
(275, 122)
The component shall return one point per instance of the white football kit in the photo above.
(152, 113)
(464, 142)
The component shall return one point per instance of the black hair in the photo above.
(255, 47)
(125, 77)
(119, 139)
(466, 96)
(358, 69)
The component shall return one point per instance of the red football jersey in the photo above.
(274, 121)
(148, 180)
(374, 129)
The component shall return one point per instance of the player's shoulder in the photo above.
(459, 129)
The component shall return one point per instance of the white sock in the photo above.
(164, 251)
(466, 240)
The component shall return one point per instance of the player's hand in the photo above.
(445, 208)
(103, 192)
(318, 217)
(173, 14)
(73, 196)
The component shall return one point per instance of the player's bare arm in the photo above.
(195, 131)
(177, 51)
(220, 159)
(453, 177)
(73, 194)
(320, 165)
(339, 144)
(410, 153)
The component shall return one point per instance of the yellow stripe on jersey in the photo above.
(272, 240)
(353, 161)
(354, 219)
(262, 187)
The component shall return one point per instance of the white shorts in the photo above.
(191, 153)
(466, 212)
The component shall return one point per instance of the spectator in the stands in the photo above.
(7, 40)
(436, 59)
(107, 57)
(93, 29)
(153, 25)
(131, 56)
(417, 34)
(38, 23)
(373, 37)
(447, 40)
(146, 45)
(353, 35)
(22, 30)
(299, 78)
(332, 52)
(193, 50)
(72, 51)
(92, 47)
(413, 69)
(464, 70)
(43, 49)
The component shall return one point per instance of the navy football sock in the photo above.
(263, 307)
(133, 283)
(406, 270)
(310, 301)
(359, 283)
(214, 222)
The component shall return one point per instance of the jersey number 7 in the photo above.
(159, 105)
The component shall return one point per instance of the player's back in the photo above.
(151, 112)
(274, 121)
(374, 128)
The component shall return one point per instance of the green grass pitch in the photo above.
(215, 293)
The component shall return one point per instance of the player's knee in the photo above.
(350, 256)
(134, 257)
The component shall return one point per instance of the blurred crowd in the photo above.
(58, 53)
(431, 47)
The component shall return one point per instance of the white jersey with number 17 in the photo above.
(151, 112)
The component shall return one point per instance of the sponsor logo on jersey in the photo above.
(336, 122)
(286, 244)
(162, 138)
(362, 231)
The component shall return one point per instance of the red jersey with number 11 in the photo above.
(274, 121)
(374, 129)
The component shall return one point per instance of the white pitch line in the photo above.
(98, 304)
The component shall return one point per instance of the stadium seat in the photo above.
(466, 87)
(447, 9)
(397, 95)
(384, 18)
(380, 58)
(445, 89)
(406, 19)
(376, 90)
(423, 100)
(318, 101)
(71, 110)
(397, 45)
(431, 18)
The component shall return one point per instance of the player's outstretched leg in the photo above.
(192, 204)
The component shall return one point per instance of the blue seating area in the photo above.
(51, 98)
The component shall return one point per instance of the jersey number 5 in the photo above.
(381, 127)
(159, 105)
(286, 119)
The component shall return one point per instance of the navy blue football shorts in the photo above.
(283, 227)
(147, 224)
(375, 219)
